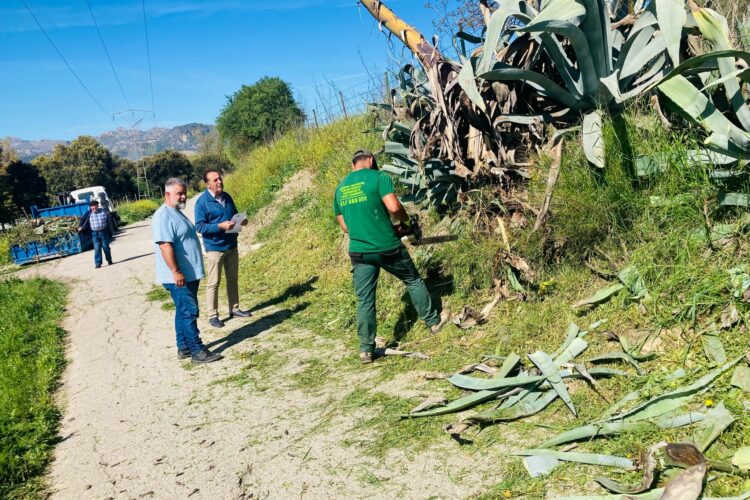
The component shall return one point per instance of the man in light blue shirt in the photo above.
(179, 268)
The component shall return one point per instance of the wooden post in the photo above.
(387, 86)
(343, 104)
(315, 117)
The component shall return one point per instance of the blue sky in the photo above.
(201, 51)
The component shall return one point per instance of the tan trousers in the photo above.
(230, 261)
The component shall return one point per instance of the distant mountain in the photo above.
(127, 143)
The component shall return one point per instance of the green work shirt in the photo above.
(359, 198)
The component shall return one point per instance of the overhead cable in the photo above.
(54, 46)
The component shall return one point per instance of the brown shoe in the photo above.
(445, 317)
(365, 358)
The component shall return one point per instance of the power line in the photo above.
(148, 54)
(104, 46)
(64, 60)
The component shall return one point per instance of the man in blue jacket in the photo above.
(213, 218)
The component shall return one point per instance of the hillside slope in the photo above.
(668, 227)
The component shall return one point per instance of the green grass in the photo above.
(31, 343)
(5, 257)
(603, 219)
(160, 294)
(137, 210)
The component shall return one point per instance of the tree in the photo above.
(258, 112)
(164, 165)
(203, 162)
(455, 15)
(123, 179)
(82, 163)
(27, 187)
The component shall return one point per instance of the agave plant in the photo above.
(693, 88)
(537, 70)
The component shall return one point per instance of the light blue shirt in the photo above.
(170, 225)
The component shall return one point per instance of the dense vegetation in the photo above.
(665, 224)
(256, 113)
(31, 342)
(135, 211)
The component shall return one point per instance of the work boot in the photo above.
(216, 322)
(240, 313)
(184, 353)
(365, 358)
(205, 356)
(445, 317)
(109, 262)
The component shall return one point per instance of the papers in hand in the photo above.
(238, 219)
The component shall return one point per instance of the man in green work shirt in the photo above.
(363, 205)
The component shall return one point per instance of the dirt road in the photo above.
(139, 424)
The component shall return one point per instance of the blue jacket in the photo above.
(208, 215)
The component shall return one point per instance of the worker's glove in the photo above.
(409, 228)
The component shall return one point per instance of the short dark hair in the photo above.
(93, 202)
(205, 174)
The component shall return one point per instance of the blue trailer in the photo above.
(59, 246)
(74, 210)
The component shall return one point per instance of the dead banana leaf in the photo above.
(469, 317)
(689, 484)
(430, 402)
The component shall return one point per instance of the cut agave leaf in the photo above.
(590, 431)
(540, 465)
(741, 458)
(542, 361)
(600, 296)
(619, 356)
(581, 458)
(654, 406)
(631, 278)
(471, 400)
(521, 410)
(741, 377)
(717, 420)
(713, 346)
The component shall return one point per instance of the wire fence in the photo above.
(333, 102)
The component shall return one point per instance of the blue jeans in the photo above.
(101, 242)
(186, 315)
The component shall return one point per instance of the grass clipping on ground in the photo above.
(656, 257)
(31, 343)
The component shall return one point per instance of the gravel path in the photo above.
(139, 424)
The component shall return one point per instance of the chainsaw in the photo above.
(411, 233)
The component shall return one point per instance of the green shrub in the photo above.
(137, 210)
(32, 358)
(5, 251)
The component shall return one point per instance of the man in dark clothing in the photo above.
(214, 211)
(363, 205)
(96, 220)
